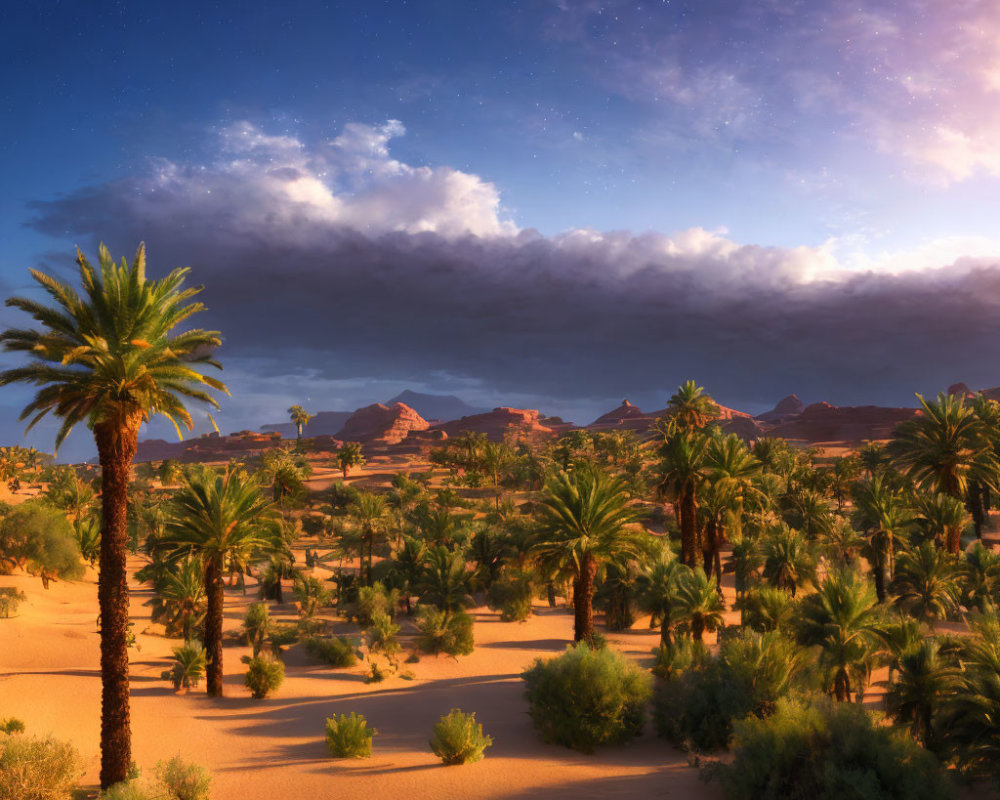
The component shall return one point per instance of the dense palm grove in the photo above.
(857, 575)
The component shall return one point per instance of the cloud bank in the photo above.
(336, 262)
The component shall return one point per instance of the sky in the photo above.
(551, 204)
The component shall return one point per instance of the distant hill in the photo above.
(444, 407)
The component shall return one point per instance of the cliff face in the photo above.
(379, 424)
(498, 423)
(210, 447)
(822, 422)
(787, 408)
(618, 415)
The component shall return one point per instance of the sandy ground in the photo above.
(275, 748)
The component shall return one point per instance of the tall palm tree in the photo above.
(924, 680)
(215, 517)
(683, 470)
(109, 358)
(925, 584)
(300, 418)
(370, 511)
(699, 605)
(584, 519)
(880, 512)
(947, 448)
(842, 620)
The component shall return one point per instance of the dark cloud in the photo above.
(296, 286)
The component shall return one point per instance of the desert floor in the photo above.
(275, 748)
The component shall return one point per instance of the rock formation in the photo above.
(497, 423)
(379, 424)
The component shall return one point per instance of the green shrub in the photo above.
(381, 636)
(752, 671)
(11, 725)
(349, 736)
(10, 598)
(586, 698)
(130, 790)
(511, 596)
(284, 636)
(189, 666)
(675, 659)
(264, 676)
(182, 781)
(257, 626)
(823, 750)
(372, 601)
(459, 739)
(37, 769)
(444, 633)
(376, 674)
(337, 651)
(41, 537)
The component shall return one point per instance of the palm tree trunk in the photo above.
(666, 640)
(116, 446)
(583, 599)
(213, 625)
(688, 513)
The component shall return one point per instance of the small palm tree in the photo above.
(257, 626)
(371, 514)
(981, 573)
(300, 418)
(690, 407)
(110, 359)
(584, 520)
(925, 584)
(924, 679)
(942, 518)
(445, 581)
(214, 517)
(180, 598)
(788, 559)
(657, 585)
(698, 604)
(348, 456)
(842, 620)
(189, 666)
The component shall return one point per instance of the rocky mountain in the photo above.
(498, 423)
(822, 422)
(381, 424)
(626, 411)
(787, 409)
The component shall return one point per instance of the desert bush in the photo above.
(11, 725)
(37, 769)
(10, 599)
(189, 666)
(749, 675)
(265, 675)
(183, 781)
(823, 750)
(41, 538)
(766, 608)
(376, 673)
(511, 596)
(310, 593)
(257, 626)
(459, 739)
(675, 659)
(284, 636)
(381, 636)
(586, 698)
(372, 601)
(130, 790)
(348, 736)
(337, 651)
(444, 633)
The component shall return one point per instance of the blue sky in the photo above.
(714, 189)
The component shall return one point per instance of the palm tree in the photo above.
(925, 584)
(445, 581)
(584, 519)
(981, 571)
(683, 472)
(180, 598)
(788, 560)
(349, 455)
(842, 620)
(880, 511)
(215, 517)
(947, 449)
(496, 457)
(657, 595)
(370, 512)
(691, 408)
(698, 603)
(924, 679)
(108, 358)
(942, 518)
(300, 418)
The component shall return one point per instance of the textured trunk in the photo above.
(697, 628)
(688, 513)
(954, 540)
(666, 639)
(842, 687)
(213, 625)
(583, 599)
(879, 568)
(116, 446)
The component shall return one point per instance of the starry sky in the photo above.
(546, 203)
